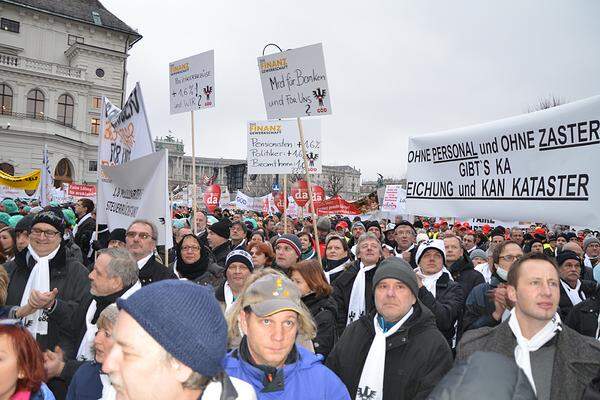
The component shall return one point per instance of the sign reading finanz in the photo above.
(192, 83)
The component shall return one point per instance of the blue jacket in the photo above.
(86, 384)
(479, 307)
(306, 379)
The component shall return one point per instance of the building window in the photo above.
(97, 102)
(100, 73)
(9, 25)
(75, 39)
(7, 168)
(92, 166)
(95, 126)
(35, 104)
(65, 109)
(6, 98)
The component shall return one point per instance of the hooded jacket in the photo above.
(584, 316)
(86, 383)
(324, 312)
(70, 278)
(417, 356)
(447, 306)
(305, 379)
(576, 359)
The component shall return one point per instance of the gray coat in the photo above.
(576, 361)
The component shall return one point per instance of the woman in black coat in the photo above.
(316, 295)
(195, 263)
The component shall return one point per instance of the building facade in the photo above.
(231, 174)
(57, 60)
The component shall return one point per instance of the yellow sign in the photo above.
(25, 182)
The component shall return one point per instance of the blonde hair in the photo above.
(3, 285)
(307, 328)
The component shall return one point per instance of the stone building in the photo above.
(57, 60)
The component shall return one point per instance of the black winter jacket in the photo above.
(324, 312)
(588, 288)
(479, 306)
(463, 271)
(153, 271)
(447, 305)
(83, 236)
(416, 358)
(220, 253)
(71, 279)
(584, 316)
(342, 289)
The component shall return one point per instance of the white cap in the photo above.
(422, 237)
(431, 244)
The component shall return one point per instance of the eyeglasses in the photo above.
(510, 258)
(190, 248)
(50, 234)
(141, 235)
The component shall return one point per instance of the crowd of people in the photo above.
(253, 306)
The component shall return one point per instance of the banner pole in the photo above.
(169, 214)
(310, 191)
(284, 204)
(194, 189)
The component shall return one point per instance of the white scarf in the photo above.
(39, 279)
(484, 269)
(573, 294)
(587, 261)
(356, 308)
(334, 271)
(108, 391)
(85, 348)
(525, 346)
(430, 281)
(81, 221)
(228, 296)
(371, 377)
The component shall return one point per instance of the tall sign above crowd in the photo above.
(192, 83)
(124, 136)
(294, 83)
(539, 166)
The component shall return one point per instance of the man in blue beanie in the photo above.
(170, 340)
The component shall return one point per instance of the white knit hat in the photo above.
(431, 244)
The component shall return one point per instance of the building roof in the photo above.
(86, 11)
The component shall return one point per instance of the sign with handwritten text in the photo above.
(192, 83)
(294, 83)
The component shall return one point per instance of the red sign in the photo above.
(278, 199)
(318, 194)
(76, 190)
(211, 197)
(300, 192)
(336, 205)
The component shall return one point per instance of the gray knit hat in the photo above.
(478, 253)
(589, 240)
(397, 268)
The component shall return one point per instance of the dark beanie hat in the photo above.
(562, 235)
(185, 319)
(291, 240)
(406, 223)
(221, 228)
(117, 234)
(497, 231)
(24, 224)
(397, 268)
(566, 255)
(241, 256)
(51, 217)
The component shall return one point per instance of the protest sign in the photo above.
(192, 83)
(394, 200)
(245, 202)
(294, 83)
(139, 189)
(535, 166)
(336, 206)
(274, 147)
(211, 197)
(479, 222)
(8, 192)
(367, 204)
(79, 191)
(124, 135)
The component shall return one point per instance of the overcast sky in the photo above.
(395, 68)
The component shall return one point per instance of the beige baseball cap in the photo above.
(271, 294)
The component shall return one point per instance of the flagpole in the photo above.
(194, 200)
(310, 191)
(285, 204)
